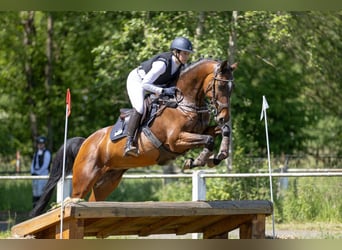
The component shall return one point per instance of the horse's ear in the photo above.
(234, 66)
(224, 65)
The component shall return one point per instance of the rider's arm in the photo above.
(158, 68)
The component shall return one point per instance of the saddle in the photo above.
(153, 107)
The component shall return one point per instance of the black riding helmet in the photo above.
(181, 43)
(41, 139)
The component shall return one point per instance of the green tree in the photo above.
(290, 57)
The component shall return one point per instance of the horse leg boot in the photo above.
(203, 157)
(133, 123)
(224, 147)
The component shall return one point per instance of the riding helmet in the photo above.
(41, 139)
(182, 43)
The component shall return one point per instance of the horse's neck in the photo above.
(192, 87)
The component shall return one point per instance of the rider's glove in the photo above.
(169, 91)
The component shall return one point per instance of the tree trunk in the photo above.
(199, 29)
(29, 34)
(48, 76)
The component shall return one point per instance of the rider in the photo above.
(156, 75)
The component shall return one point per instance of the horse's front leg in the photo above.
(224, 148)
(189, 141)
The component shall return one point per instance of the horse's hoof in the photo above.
(213, 162)
(210, 163)
(188, 164)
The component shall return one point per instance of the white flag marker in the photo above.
(265, 106)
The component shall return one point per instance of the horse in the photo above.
(203, 90)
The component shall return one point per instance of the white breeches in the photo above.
(135, 90)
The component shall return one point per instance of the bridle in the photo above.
(215, 105)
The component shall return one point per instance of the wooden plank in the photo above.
(48, 233)
(258, 226)
(245, 230)
(94, 225)
(117, 227)
(39, 223)
(224, 226)
(136, 209)
(196, 225)
(72, 229)
(254, 229)
(158, 226)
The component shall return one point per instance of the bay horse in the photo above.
(98, 164)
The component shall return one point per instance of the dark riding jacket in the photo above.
(166, 79)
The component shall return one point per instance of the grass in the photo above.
(305, 230)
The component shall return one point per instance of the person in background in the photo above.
(157, 75)
(40, 166)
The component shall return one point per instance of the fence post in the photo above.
(17, 162)
(198, 186)
(198, 192)
(66, 190)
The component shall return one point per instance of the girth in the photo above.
(165, 154)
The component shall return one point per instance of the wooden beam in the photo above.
(254, 229)
(72, 229)
(190, 208)
(117, 227)
(39, 223)
(156, 227)
(196, 225)
(225, 226)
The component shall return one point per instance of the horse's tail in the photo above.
(72, 147)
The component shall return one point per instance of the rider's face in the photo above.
(184, 56)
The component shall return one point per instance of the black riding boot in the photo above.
(133, 124)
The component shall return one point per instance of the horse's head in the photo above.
(218, 89)
(209, 79)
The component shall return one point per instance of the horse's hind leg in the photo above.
(85, 175)
(106, 184)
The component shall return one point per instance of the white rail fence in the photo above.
(198, 179)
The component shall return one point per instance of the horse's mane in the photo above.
(195, 64)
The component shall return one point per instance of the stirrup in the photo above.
(131, 150)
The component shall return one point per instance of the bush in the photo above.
(313, 199)
(178, 190)
(136, 190)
